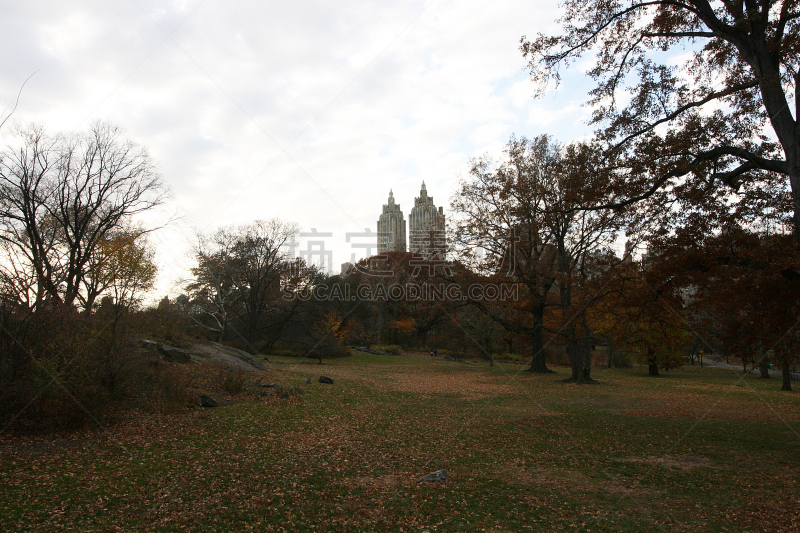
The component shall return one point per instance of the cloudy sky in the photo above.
(307, 111)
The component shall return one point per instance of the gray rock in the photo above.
(231, 357)
(307, 381)
(174, 354)
(373, 352)
(439, 475)
(325, 379)
(151, 345)
(208, 401)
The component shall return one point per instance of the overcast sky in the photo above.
(306, 111)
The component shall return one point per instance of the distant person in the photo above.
(431, 352)
(435, 353)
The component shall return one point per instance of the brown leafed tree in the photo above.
(742, 292)
(499, 226)
(645, 316)
(522, 214)
(724, 120)
(122, 268)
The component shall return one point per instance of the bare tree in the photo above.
(213, 293)
(260, 250)
(61, 196)
(238, 274)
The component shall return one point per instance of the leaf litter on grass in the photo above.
(348, 457)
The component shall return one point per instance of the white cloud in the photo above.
(308, 111)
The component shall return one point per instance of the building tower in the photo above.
(391, 228)
(426, 227)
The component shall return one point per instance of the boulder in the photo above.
(150, 345)
(231, 357)
(439, 475)
(208, 401)
(373, 352)
(174, 354)
(325, 379)
(307, 381)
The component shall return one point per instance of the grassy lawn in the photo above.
(694, 450)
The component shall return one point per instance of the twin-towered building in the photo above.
(426, 228)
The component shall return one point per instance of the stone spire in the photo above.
(391, 228)
(426, 227)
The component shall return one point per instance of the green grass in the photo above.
(694, 450)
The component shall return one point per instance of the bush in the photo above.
(620, 359)
(167, 321)
(167, 391)
(393, 349)
(283, 352)
(556, 354)
(234, 382)
(99, 363)
(509, 357)
(54, 365)
(287, 392)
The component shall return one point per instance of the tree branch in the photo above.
(611, 20)
(759, 162)
(681, 34)
(16, 101)
(713, 96)
(753, 162)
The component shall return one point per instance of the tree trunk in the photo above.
(787, 377)
(763, 367)
(574, 355)
(538, 365)
(794, 180)
(580, 353)
(587, 359)
(652, 366)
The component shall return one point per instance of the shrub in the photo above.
(393, 349)
(620, 359)
(509, 357)
(556, 354)
(283, 352)
(287, 392)
(234, 382)
(167, 391)
(167, 321)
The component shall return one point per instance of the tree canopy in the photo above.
(724, 120)
(522, 216)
